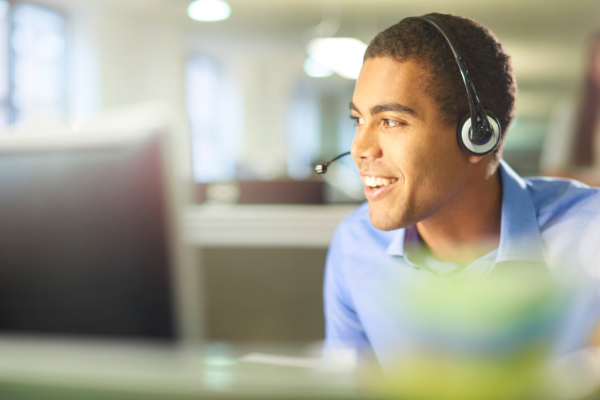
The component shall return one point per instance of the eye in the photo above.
(357, 120)
(392, 123)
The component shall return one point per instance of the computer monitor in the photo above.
(85, 244)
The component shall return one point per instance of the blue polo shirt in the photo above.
(545, 221)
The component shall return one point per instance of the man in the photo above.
(435, 210)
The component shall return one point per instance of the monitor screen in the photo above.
(84, 244)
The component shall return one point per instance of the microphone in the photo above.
(322, 168)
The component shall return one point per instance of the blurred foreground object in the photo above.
(99, 296)
(90, 234)
(489, 339)
(53, 369)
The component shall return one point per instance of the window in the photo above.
(32, 65)
(304, 132)
(214, 115)
(37, 48)
(4, 64)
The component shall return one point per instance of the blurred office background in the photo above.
(253, 112)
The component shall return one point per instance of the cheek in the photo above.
(415, 158)
(429, 163)
(443, 148)
(447, 177)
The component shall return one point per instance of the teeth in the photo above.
(371, 181)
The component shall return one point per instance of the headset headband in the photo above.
(481, 131)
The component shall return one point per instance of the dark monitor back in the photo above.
(84, 248)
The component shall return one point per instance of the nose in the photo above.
(366, 145)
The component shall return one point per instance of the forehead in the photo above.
(383, 80)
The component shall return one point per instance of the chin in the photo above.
(384, 222)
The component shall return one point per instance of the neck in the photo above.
(468, 227)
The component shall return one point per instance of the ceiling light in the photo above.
(209, 10)
(315, 69)
(342, 55)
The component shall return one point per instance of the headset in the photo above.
(478, 133)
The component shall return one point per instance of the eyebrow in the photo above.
(388, 107)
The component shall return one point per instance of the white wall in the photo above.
(265, 71)
(118, 60)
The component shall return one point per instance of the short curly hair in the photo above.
(489, 65)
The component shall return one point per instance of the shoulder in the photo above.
(568, 214)
(558, 201)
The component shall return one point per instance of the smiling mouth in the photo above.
(376, 187)
(375, 183)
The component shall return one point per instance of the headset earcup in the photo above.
(459, 129)
(462, 136)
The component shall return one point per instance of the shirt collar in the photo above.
(396, 247)
(520, 238)
(406, 242)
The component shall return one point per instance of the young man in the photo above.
(435, 210)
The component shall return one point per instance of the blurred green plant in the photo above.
(474, 340)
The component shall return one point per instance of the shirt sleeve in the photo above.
(343, 329)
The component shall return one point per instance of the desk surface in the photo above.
(74, 369)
